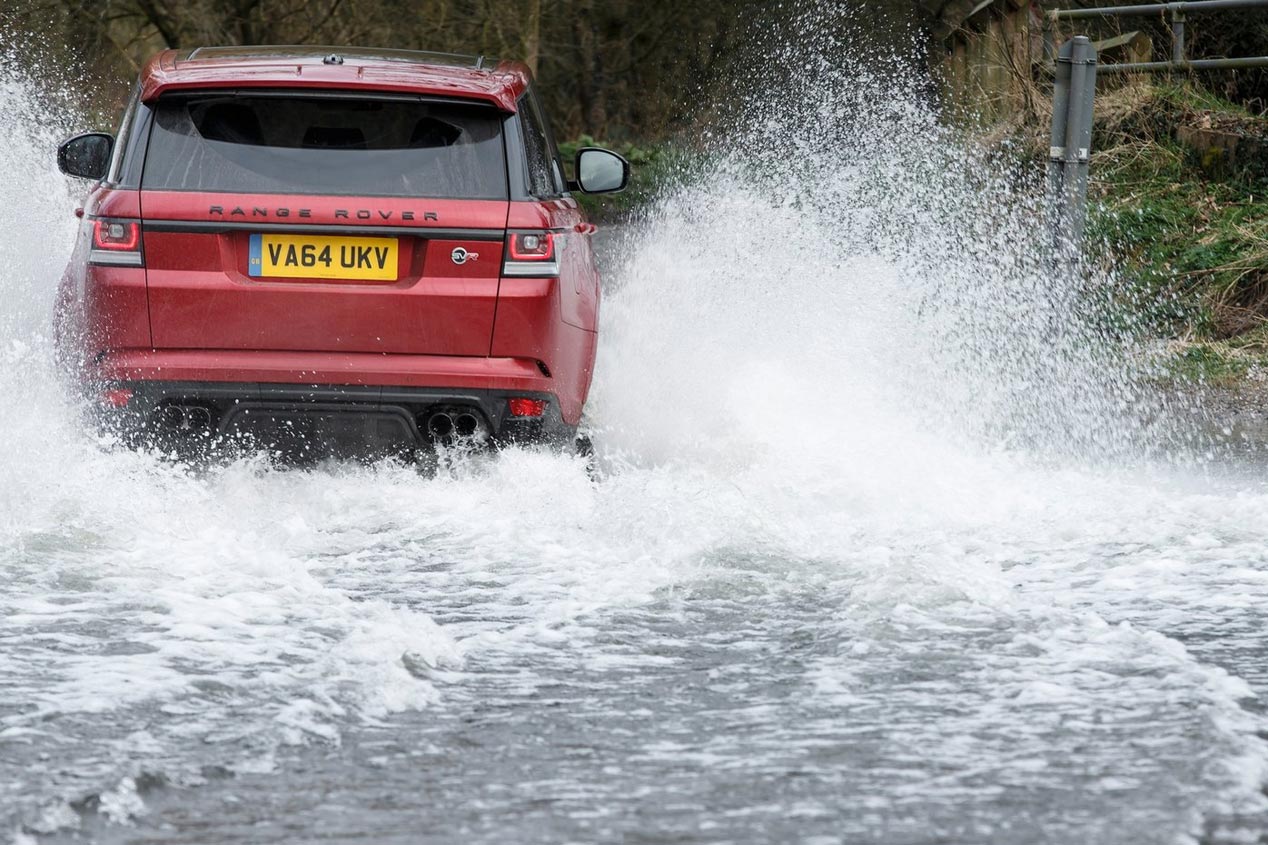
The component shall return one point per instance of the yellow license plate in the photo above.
(321, 257)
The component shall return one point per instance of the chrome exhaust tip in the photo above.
(454, 424)
(198, 417)
(440, 425)
(466, 424)
(184, 419)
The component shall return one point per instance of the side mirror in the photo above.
(86, 156)
(601, 171)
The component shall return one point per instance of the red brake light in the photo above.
(116, 235)
(521, 407)
(532, 254)
(532, 246)
(117, 398)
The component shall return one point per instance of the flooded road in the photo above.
(659, 656)
(876, 548)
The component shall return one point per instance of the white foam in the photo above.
(853, 388)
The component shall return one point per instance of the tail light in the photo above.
(525, 407)
(532, 254)
(119, 397)
(116, 242)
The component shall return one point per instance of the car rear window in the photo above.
(326, 145)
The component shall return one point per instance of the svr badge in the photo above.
(461, 256)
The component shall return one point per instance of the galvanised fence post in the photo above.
(1071, 140)
(1177, 35)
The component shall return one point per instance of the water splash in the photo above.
(869, 469)
(841, 261)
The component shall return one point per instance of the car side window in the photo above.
(552, 149)
(542, 179)
(123, 136)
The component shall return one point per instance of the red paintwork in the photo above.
(174, 70)
(327, 368)
(361, 211)
(202, 298)
(192, 313)
(578, 303)
(102, 307)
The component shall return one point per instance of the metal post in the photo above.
(1056, 145)
(1177, 34)
(1191, 64)
(1071, 139)
(1079, 133)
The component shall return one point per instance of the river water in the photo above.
(886, 541)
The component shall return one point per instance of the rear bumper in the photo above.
(345, 415)
(344, 397)
(361, 369)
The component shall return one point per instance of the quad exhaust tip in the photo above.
(440, 425)
(449, 424)
(185, 419)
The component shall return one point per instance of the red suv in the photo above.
(359, 247)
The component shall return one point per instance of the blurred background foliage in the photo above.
(1209, 34)
(624, 71)
(621, 70)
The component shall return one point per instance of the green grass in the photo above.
(1212, 364)
(1193, 245)
(1233, 364)
(1181, 94)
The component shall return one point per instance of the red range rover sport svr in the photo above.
(359, 247)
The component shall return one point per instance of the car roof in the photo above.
(339, 68)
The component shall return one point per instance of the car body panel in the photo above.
(326, 368)
(305, 68)
(101, 307)
(579, 295)
(201, 296)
